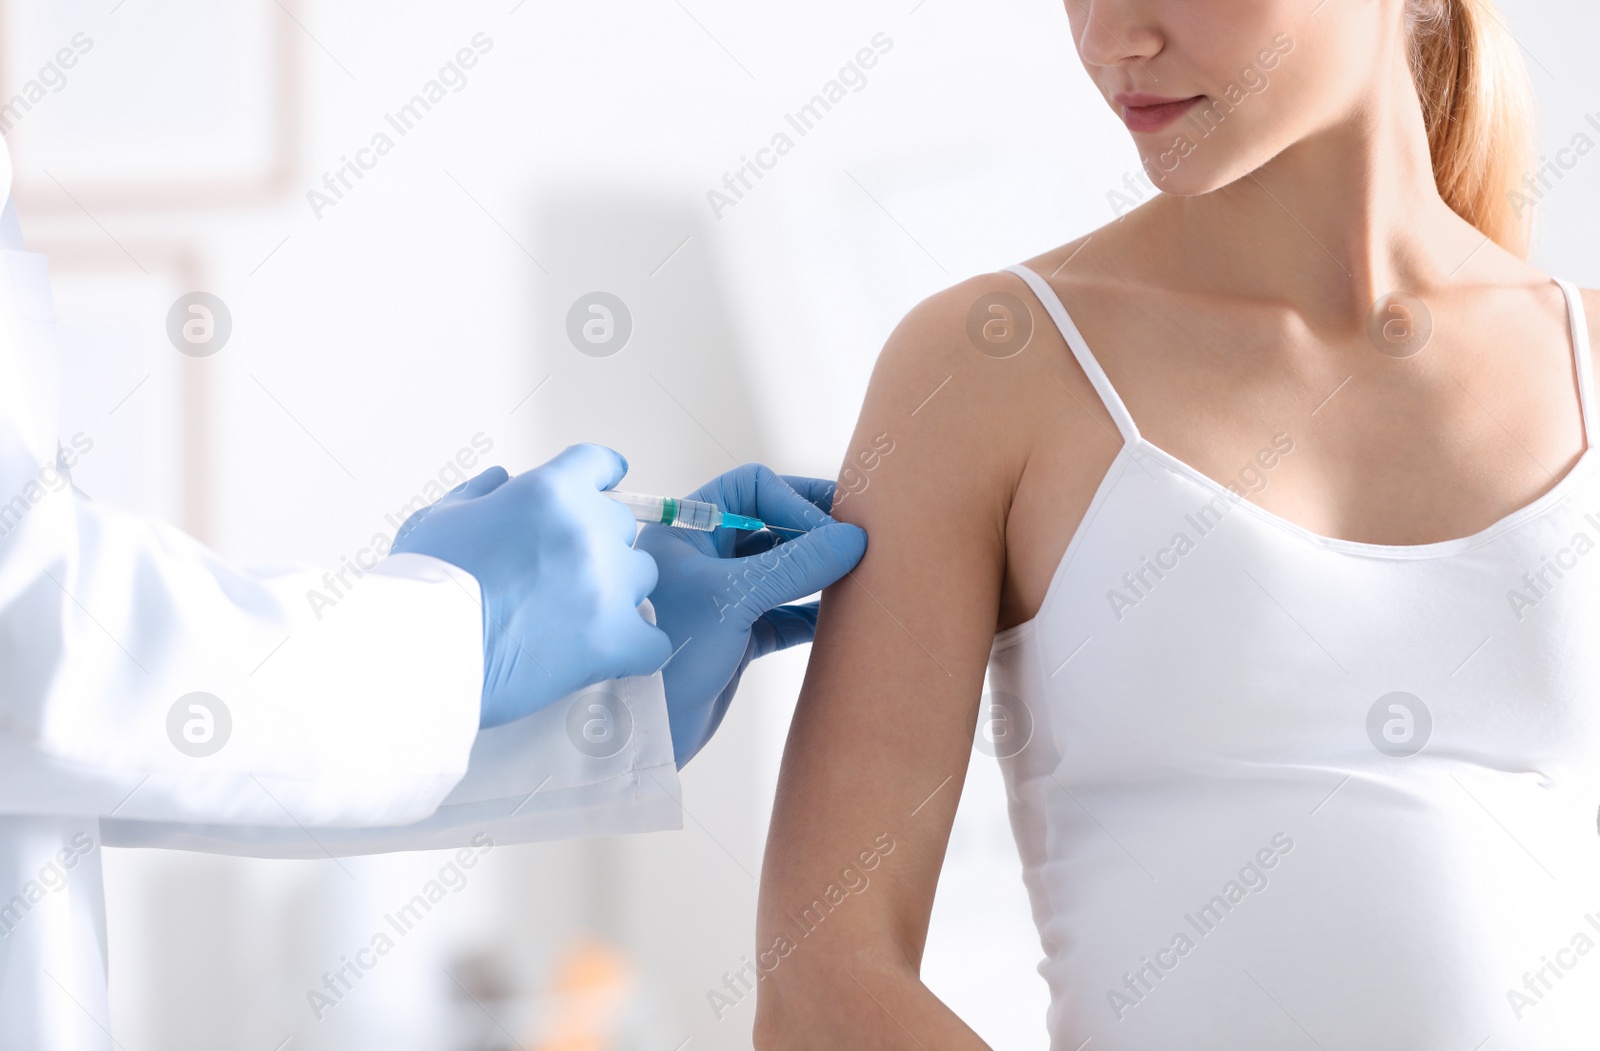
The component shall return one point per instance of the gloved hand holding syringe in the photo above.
(562, 580)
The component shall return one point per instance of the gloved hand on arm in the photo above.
(721, 596)
(560, 580)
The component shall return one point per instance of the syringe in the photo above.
(685, 514)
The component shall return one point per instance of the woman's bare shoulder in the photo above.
(932, 420)
(974, 375)
(991, 331)
(979, 419)
(967, 323)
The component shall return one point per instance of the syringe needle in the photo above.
(687, 514)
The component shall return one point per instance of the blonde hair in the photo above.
(1478, 108)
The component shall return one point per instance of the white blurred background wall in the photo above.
(375, 336)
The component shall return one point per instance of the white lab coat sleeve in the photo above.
(597, 763)
(357, 711)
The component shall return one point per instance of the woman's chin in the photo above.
(1198, 173)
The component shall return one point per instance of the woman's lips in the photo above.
(1150, 113)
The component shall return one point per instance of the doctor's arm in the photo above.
(146, 678)
(879, 746)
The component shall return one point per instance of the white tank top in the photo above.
(1277, 790)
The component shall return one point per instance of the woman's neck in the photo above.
(1331, 224)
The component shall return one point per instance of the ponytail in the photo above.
(1478, 109)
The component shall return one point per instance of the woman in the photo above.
(1284, 586)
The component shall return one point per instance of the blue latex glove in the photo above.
(561, 582)
(721, 595)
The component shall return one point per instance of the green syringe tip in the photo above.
(741, 522)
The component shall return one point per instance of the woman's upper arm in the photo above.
(881, 737)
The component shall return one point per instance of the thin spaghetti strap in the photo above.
(1583, 362)
(1080, 350)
